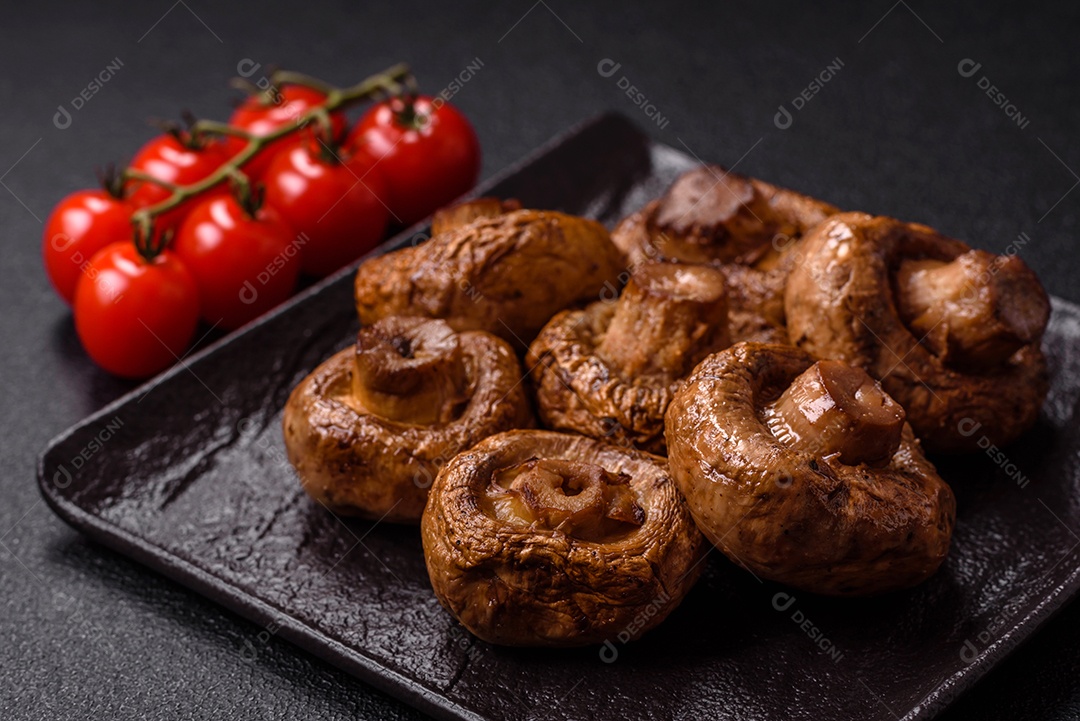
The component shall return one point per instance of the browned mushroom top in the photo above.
(806, 473)
(534, 538)
(609, 371)
(369, 429)
(952, 333)
(506, 274)
(747, 228)
(710, 214)
(455, 216)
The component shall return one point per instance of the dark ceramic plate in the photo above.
(188, 475)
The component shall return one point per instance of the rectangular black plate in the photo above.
(188, 475)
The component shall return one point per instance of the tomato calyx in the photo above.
(248, 195)
(187, 134)
(112, 181)
(406, 115)
(148, 244)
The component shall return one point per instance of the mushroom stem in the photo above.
(409, 370)
(667, 319)
(833, 408)
(582, 500)
(977, 310)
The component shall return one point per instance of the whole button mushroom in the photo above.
(369, 429)
(807, 473)
(506, 274)
(952, 333)
(744, 226)
(536, 538)
(610, 370)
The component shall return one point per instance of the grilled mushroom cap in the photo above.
(952, 333)
(535, 538)
(369, 429)
(745, 227)
(610, 370)
(806, 473)
(506, 274)
(455, 216)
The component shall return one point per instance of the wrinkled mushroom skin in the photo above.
(455, 216)
(745, 227)
(506, 275)
(535, 538)
(952, 334)
(802, 517)
(369, 429)
(609, 371)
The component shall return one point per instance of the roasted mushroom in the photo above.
(806, 473)
(952, 333)
(535, 538)
(506, 274)
(744, 226)
(369, 429)
(610, 370)
(455, 216)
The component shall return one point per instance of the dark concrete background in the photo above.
(898, 129)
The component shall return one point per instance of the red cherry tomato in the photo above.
(243, 265)
(166, 158)
(261, 114)
(427, 152)
(79, 226)
(135, 317)
(335, 207)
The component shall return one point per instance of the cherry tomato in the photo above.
(261, 114)
(135, 317)
(334, 205)
(168, 159)
(79, 226)
(243, 265)
(426, 150)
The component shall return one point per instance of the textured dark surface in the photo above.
(195, 483)
(88, 633)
